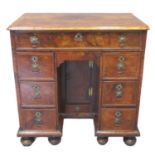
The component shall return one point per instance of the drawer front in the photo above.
(126, 40)
(119, 92)
(38, 119)
(118, 119)
(62, 39)
(79, 39)
(38, 94)
(77, 109)
(35, 65)
(120, 65)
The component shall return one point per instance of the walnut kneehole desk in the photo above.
(78, 66)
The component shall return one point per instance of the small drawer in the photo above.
(38, 94)
(118, 119)
(126, 40)
(119, 93)
(120, 65)
(35, 66)
(31, 119)
(77, 109)
(62, 39)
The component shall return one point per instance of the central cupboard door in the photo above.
(79, 87)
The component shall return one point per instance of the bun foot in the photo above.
(54, 140)
(102, 140)
(130, 141)
(27, 141)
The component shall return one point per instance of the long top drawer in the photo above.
(99, 39)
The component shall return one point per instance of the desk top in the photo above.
(78, 21)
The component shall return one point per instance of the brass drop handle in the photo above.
(119, 90)
(35, 65)
(122, 40)
(36, 90)
(120, 67)
(117, 120)
(121, 64)
(78, 37)
(38, 118)
(34, 41)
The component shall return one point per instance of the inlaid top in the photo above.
(78, 21)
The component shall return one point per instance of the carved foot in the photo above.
(130, 141)
(54, 140)
(27, 141)
(102, 140)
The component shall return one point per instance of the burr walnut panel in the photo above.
(79, 39)
(121, 65)
(118, 119)
(119, 92)
(35, 65)
(38, 94)
(38, 119)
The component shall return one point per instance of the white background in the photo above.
(78, 135)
